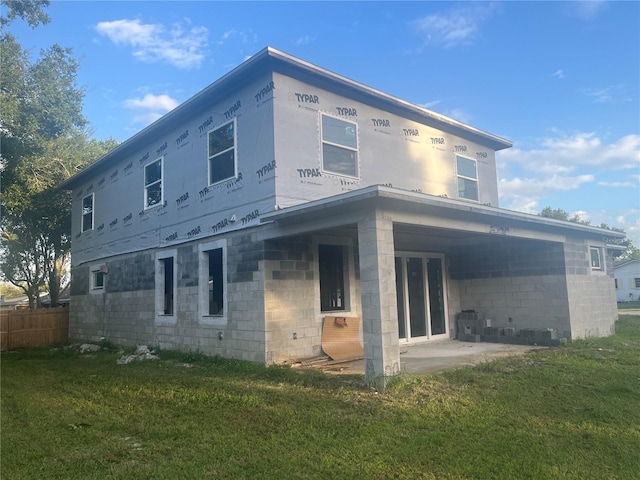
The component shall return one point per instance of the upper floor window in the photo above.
(596, 258)
(153, 184)
(222, 153)
(339, 146)
(467, 178)
(87, 213)
(636, 282)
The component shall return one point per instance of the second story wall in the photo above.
(326, 144)
(211, 174)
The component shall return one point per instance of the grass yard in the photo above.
(566, 413)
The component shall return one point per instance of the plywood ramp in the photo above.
(341, 338)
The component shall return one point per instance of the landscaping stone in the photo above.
(141, 353)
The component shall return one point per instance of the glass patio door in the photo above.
(420, 290)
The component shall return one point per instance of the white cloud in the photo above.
(305, 40)
(559, 74)
(149, 108)
(246, 37)
(524, 194)
(612, 93)
(587, 9)
(430, 104)
(458, 26)
(618, 184)
(152, 102)
(460, 115)
(567, 153)
(179, 46)
(562, 163)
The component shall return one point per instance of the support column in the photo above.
(379, 302)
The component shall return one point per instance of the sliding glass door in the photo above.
(422, 302)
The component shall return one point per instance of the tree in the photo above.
(560, 214)
(630, 251)
(31, 11)
(44, 142)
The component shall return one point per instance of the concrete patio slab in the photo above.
(439, 356)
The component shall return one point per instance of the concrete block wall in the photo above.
(124, 313)
(538, 302)
(292, 296)
(292, 330)
(591, 293)
(515, 283)
(246, 318)
(506, 257)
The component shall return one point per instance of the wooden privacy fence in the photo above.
(33, 328)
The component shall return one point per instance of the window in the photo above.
(615, 283)
(467, 178)
(167, 304)
(166, 281)
(222, 153)
(87, 213)
(212, 277)
(596, 258)
(339, 146)
(215, 283)
(98, 278)
(153, 184)
(331, 266)
(636, 282)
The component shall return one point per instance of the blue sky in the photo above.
(561, 80)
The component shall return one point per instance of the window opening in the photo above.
(596, 260)
(87, 213)
(153, 184)
(167, 263)
(331, 265)
(215, 287)
(222, 153)
(98, 280)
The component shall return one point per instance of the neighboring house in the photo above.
(284, 193)
(21, 302)
(627, 280)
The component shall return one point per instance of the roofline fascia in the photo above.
(384, 192)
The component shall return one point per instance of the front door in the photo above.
(422, 303)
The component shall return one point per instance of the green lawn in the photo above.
(566, 413)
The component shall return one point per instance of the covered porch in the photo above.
(417, 261)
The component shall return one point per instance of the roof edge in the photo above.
(264, 55)
(380, 191)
